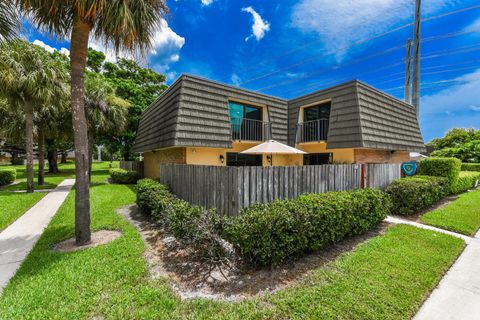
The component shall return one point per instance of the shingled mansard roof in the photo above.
(194, 112)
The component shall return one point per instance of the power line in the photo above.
(309, 75)
(356, 43)
(331, 68)
(433, 54)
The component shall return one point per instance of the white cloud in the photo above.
(475, 26)
(259, 27)
(166, 46)
(206, 3)
(235, 79)
(461, 97)
(44, 45)
(65, 51)
(50, 49)
(475, 108)
(341, 23)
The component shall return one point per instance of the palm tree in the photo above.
(123, 24)
(106, 113)
(9, 21)
(30, 79)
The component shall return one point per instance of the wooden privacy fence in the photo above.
(380, 175)
(230, 189)
(133, 166)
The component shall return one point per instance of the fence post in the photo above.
(364, 176)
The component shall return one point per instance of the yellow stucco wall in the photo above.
(152, 160)
(211, 156)
(339, 155)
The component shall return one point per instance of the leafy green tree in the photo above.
(106, 113)
(140, 86)
(467, 152)
(29, 79)
(455, 138)
(128, 25)
(95, 60)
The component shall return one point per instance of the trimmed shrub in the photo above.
(464, 182)
(440, 167)
(197, 228)
(471, 167)
(152, 196)
(268, 234)
(122, 176)
(7, 176)
(413, 194)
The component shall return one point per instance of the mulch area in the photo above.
(194, 279)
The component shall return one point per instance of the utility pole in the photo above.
(416, 58)
(408, 86)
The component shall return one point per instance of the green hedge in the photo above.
(464, 182)
(122, 176)
(440, 167)
(268, 234)
(413, 194)
(197, 228)
(152, 196)
(470, 166)
(7, 175)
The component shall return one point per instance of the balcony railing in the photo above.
(310, 131)
(250, 129)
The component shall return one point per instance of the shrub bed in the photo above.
(440, 167)
(198, 228)
(122, 176)
(413, 194)
(7, 175)
(267, 234)
(464, 182)
(470, 166)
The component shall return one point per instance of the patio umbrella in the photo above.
(272, 147)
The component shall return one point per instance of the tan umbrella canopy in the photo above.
(272, 147)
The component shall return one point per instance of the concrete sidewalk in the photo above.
(18, 239)
(458, 294)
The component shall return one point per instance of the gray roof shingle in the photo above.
(194, 112)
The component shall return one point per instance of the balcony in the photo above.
(311, 131)
(250, 130)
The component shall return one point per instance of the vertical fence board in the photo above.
(229, 189)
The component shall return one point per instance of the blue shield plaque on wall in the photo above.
(409, 168)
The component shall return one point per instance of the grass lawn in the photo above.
(52, 180)
(387, 277)
(13, 205)
(462, 215)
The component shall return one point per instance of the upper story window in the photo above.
(317, 112)
(247, 122)
(243, 111)
(315, 123)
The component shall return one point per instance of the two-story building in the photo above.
(198, 121)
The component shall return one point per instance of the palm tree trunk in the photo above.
(41, 158)
(52, 156)
(90, 155)
(78, 58)
(63, 158)
(29, 144)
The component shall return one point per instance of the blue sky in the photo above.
(290, 48)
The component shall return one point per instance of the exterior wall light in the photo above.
(222, 158)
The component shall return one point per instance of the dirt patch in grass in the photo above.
(193, 279)
(98, 238)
